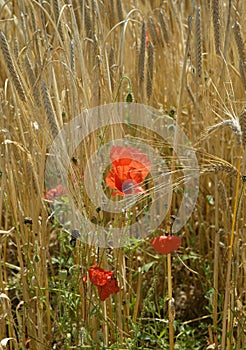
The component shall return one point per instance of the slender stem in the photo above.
(105, 324)
(216, 264)
(170, 302)
(226, 309)
(120, 84)
(171, 309)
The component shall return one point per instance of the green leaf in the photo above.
(146, 267)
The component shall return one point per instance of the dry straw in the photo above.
(160, 78)
(32, 81)
(111, 67)
(223, 194)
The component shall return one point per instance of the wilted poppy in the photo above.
(130, 168)
(104, 281)
(166, 244)
(55, 192)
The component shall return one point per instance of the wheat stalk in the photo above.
(111, 67)
(83, 55)
(32, 80)
(223, 194)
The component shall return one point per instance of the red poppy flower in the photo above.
(166, 244)
(99, 276)
(104, 281)
(109, 288)
(55, 192)
(130, 168)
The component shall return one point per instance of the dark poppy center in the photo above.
(128, 186)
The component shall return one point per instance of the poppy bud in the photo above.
(129, 97)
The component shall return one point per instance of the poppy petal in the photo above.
(109, 288)
(132, 161)
(130, 168)
(99, 276)
(166, 244)
(123, 187)
(137, 172)
(122, 155)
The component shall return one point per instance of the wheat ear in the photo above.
(120, 11)
(198, 43)
(142, 53)
(49, 109)
(150, 66)
(241, 52)
(11, 67)
(216, 22)
(164, 27)
(242, 122)
(32, 80)
(57, 15)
